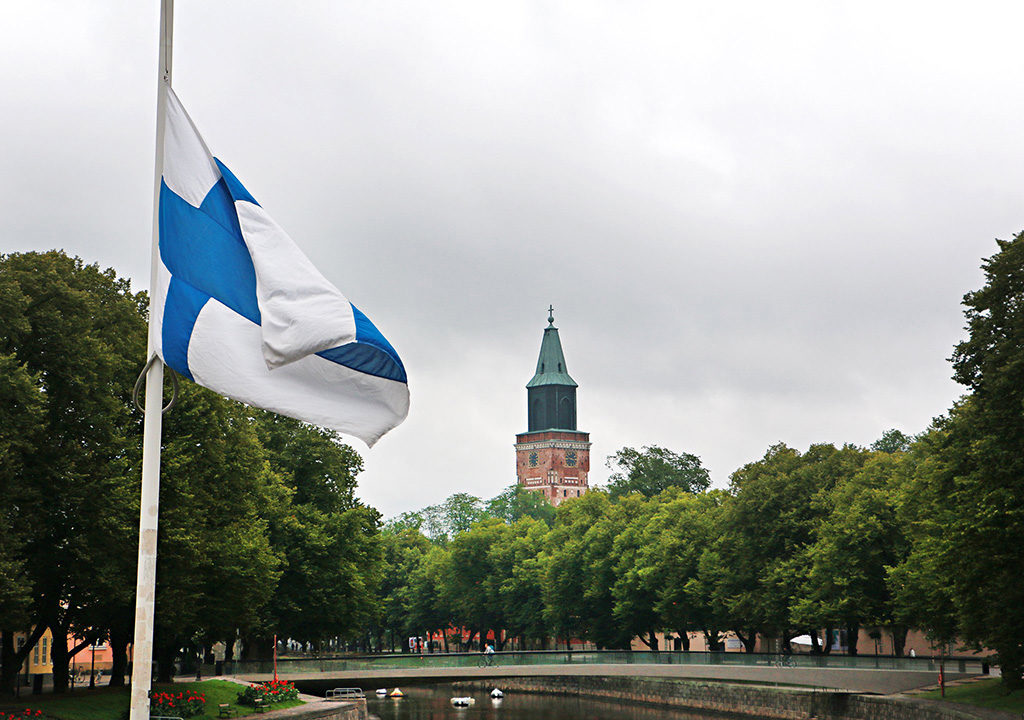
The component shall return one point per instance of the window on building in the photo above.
(44, 653)
(35, 654)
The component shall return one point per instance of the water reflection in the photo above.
(433, 703)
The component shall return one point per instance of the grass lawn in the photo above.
(111, 704)
(983, 693)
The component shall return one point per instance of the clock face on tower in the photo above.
(570, 458)
(533, 459)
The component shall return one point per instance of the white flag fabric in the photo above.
(244, 312)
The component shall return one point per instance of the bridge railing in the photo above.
(393, 661)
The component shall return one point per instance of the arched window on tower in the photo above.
(565, 419)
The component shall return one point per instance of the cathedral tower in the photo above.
(552, 456)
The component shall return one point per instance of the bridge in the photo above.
(865, 674)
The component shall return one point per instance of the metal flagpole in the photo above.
(145, 593)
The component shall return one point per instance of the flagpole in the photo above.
(145, 592)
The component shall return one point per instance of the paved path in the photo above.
(856, 680)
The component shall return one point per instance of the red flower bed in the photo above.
(183, 704)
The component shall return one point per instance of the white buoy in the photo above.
(397, 693)
(497, 694)
(462, 701)
(382, 691)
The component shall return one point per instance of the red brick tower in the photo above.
(552, 456)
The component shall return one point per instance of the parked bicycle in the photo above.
(782, 660)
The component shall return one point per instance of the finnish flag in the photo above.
(242, 311)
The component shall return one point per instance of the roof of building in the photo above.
(551, 369)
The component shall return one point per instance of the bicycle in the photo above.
(782, 660)
(485, 660)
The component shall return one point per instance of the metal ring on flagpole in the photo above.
(142, 376)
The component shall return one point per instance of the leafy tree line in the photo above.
(259, 533)
(924, 532)
(780, 553)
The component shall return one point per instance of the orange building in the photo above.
(96, 658)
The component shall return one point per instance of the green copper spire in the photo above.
(551, 368)
(551, 394)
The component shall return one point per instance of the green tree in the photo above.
(428, 608)
(517, 503)
(652, 469)
(859, 538)
(22, 406)
(216, 568)
(329, 541)
(404, 551)
(987, 534)
(920, 584)
(442, 522)
(72, 336)
(770, 519)
(470, 583)
(682, 529)
(518, 583)
(572, 602)
(893, 441)
(635, 589)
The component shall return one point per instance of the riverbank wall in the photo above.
(320, 709)
(734, 699)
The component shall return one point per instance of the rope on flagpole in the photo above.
(142, 378)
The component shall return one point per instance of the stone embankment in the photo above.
(739, 700)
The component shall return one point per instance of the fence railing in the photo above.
(397, 661)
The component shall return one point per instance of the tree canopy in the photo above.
(653, 469)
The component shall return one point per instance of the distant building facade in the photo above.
(552, 456)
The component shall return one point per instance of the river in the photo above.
(433, 702)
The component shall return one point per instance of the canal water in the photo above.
(433, 702)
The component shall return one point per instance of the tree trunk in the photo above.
(8, 667)
(165, 655)
(60, 658)
(684, 638)
(749, 641)
(826, 648)
(1011, 665)
(12, 663)
(469, 641)
(852, 634)
(815, 645)
(899, 639)
(260, 648)
(712, 638)
(653, 644)
(119, 640)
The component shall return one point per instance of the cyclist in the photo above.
(487, 656)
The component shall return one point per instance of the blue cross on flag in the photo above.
(242, 311)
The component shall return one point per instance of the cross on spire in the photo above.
(551, 315)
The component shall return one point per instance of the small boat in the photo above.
(462, 701)
(382, 691)
(497, 694)
(396, 693)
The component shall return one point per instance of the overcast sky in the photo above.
(756, 221)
